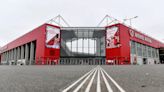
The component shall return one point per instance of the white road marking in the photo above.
(69, 87)
(98, 81)
(92, 73)
(91, 81)
(106, 82)
(81, 84)
(114, 82)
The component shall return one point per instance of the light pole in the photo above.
(130, 20)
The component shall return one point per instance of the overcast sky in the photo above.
(18, 17)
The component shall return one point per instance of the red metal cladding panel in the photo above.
(142, 38)
(52, 46)
(125, 45)
(38, 35)
(54, 53)
(114, 52)
(125, 35)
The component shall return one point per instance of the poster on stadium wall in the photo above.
(52, 37)
(112, 37)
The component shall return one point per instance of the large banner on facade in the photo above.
(52, 37)
(112, 37)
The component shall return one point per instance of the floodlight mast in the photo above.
(109, 20)
(57, 20)
(130, 19)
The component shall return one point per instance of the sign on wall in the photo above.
(52, 37)
(139, 36)
(112, 37)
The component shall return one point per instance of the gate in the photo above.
(82, 61)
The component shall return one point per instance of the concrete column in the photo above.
(7, 57)
(12, 54)
(22, 52)
(26, 54)
(98, 46)
(102, 45)
(18, 53)
(2, 57)
(31, 53)
(15, 55)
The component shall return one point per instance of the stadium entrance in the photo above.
(82, 45)
(82, 61)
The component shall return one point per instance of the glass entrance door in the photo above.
(82, 61)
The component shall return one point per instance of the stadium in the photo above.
(114, 44)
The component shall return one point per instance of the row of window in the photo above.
(143, 50)
(83, 42)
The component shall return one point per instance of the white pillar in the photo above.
(15, 55)
(5, 57)
(22, 52)
(31, 53)
(2, 57)
(9, 57)
(19, 53)
(12, 54)
(27, 54)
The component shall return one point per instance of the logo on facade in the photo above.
(52, 37)
(111, 37)
(131, 33)
(139, 36)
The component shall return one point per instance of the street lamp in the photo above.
(130, 20)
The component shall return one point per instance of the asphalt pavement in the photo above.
(130, 78)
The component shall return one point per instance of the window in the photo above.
(139, 49)
(149, 51)
(133, 47)
(144, 51)
(153, 52)
(83, 42)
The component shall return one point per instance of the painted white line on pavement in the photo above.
(106, 82)
(114, 82)
(98, 81)
(91, 81)
(81, 84)
(69, 87)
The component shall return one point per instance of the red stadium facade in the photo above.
(130, 40)
(122, 45)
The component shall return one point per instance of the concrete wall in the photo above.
(21, 55)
